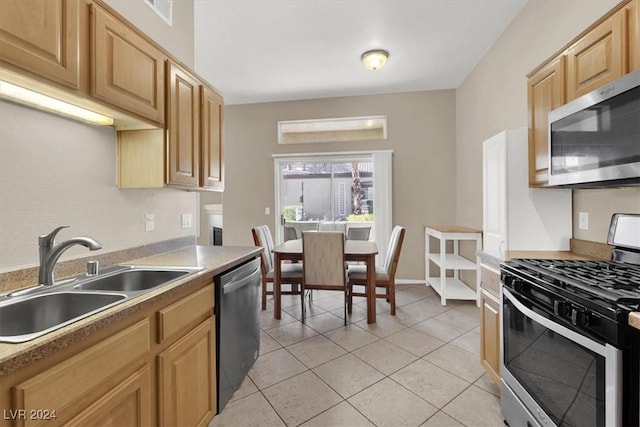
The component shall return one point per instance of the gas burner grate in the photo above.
(613, 281)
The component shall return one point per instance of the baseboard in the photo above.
(410, 282)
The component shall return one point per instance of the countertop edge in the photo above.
(35, 350)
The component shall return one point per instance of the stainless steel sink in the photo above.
(28, 318)
(133, 280)
(30, 313)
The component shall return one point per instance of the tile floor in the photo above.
(418, 368)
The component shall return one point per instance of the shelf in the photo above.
(454, 288)
(447, 262)
(453, 262)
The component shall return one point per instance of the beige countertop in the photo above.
(212, 259)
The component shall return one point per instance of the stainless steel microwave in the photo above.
(594, 140)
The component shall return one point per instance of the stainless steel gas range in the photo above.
(569, 356)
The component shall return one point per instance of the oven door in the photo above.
(554, 375)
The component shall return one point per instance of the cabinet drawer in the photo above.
(181, 314)
(68, 382)
(490, 280)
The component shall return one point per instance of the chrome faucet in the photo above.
(50, 252)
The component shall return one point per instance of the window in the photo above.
(332, 130)
(162, 8)
(341, 199)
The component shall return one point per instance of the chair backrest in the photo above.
(393, 251)
(262, 237)
(290, 234)
(358, 233)
(323, 259)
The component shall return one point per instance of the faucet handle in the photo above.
(46, 240)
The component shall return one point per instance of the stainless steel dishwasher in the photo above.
(237, 326)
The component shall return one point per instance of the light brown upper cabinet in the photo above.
(632, 22)
(44, 38)
(183, 127)
(212, 176)
(606, 51)
(128, 71)
(597, 58)
(545, 93)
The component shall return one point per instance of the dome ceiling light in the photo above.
(374, 59)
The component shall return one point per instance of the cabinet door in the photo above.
(545, 93)
(128, 404)
(597, 58)
(183, 127)
(490, 335)
(187, 379)
(212, 160)
(128, 71)
(632, 22)
(43, 37)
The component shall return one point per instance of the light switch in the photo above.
(186, 220)
(149, 222)
(267, 211)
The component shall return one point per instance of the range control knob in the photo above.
(579, 317)
(560, 308)
(518, 285)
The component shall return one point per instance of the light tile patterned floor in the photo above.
(418, 368)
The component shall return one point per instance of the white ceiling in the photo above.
(267, 50)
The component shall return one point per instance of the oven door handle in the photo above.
(556, 327)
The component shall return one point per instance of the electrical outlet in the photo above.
(583, 220)
(186, 220)
(267, 211)
(149, 222)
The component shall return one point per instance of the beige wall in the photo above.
(177, 38)
(494, 98)
(421, 133)
(55, 171)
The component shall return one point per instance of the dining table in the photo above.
(354, 250)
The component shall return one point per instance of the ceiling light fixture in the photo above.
(374, 59)
(37, 100)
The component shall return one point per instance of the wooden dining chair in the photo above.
(291, 274)
(323, 264)
(385, 275)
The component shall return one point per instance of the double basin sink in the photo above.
(29, 314)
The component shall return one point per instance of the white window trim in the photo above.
(382, 184)
(152, 6)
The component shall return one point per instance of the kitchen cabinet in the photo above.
(212, 118)
(187, 387)
(191, 156)
(158, 368)
(597, 58)
(128, 71)
(87, 375)
(545, 90)
(606, 51)
(451, 287)
(128, 404)
(490, 345)
(183, 127)
(45, 37)
(516, 217)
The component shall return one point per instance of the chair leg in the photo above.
(391, 292)
(350, 298)
(346, 302)
(302, 291)
(264, 295)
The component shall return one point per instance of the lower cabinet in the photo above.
(490, 323)
(186, 386)
(158, 368)
(128, 404)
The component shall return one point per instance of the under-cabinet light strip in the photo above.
(37, 100)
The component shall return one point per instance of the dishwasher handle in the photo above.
(237, 284)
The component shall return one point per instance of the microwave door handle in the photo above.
(556, 327)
